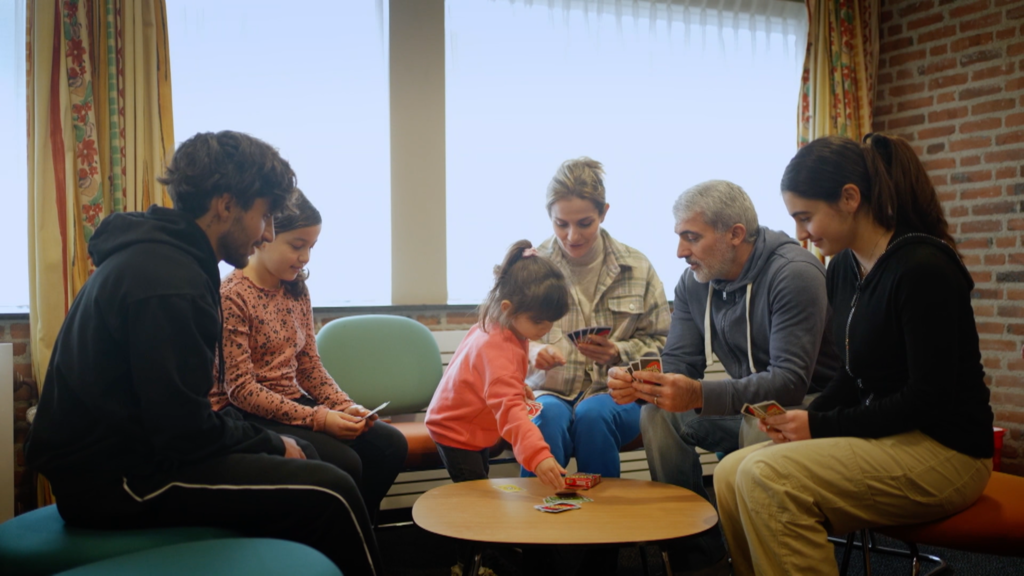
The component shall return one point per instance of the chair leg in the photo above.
(668, 565)
(916, 557)
(643, 559)
(845, 566)
(478, 560)
(865, 546)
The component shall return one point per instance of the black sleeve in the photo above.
(171, 350)
(924, 296)
(841, 392)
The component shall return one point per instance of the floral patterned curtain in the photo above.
(99, 133)
(837, 90)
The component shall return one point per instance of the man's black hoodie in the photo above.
(125, 395)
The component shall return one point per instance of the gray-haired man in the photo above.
(754, 298)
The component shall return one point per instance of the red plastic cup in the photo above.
(997, 436)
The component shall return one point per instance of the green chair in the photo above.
(241, 556)
(38, 542)
(377, 358)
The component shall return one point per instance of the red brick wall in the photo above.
(951, 80)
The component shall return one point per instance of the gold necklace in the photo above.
(863, 269)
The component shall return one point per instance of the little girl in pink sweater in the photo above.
(482, 396)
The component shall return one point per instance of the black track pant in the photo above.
(306, 501)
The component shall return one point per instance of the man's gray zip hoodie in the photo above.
(792, 351)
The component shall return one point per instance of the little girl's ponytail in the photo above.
(530, 282)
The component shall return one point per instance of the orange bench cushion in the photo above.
(992, 525)
(422, 450)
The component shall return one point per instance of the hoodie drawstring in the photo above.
(707, 330)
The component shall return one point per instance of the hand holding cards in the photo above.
(646, 364)
(583, 335)
(763, 409)
(375, 410)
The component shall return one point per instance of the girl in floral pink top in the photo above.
(274, 376)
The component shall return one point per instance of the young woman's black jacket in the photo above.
(909, 346)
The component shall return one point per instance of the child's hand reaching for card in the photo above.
(344, 425)
(548, 358)
(550, 473)
(789, 427)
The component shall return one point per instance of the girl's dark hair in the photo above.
(303, 216)
(209, 164)
(893, 183)
(532, 284)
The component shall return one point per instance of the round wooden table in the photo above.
(623, 512)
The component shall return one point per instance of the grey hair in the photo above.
(722, 205)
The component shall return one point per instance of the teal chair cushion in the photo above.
(377, 358)
(38, 542)
(241, 556)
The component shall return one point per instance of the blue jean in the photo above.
(593, 432)
(671, 440)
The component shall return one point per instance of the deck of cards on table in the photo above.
(582, 480)
(763, 409)
(563, 501)
(583, 335)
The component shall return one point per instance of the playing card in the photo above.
(375, 410)
(558, 507)
(752, 411)
(602, 331)
(509, 488)
(634, 366)
(573, 499)
(650, 365)
(763, 410)
(771, 408)
(533, 408)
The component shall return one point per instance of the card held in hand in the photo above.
(763, 410)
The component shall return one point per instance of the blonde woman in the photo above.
(610, 284)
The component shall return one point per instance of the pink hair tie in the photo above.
(529, 252)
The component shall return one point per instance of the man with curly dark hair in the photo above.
(124, 430)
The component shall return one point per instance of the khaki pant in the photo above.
(778, 502)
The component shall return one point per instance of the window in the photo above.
(664, 95)
(311, 79)
(13, 158)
